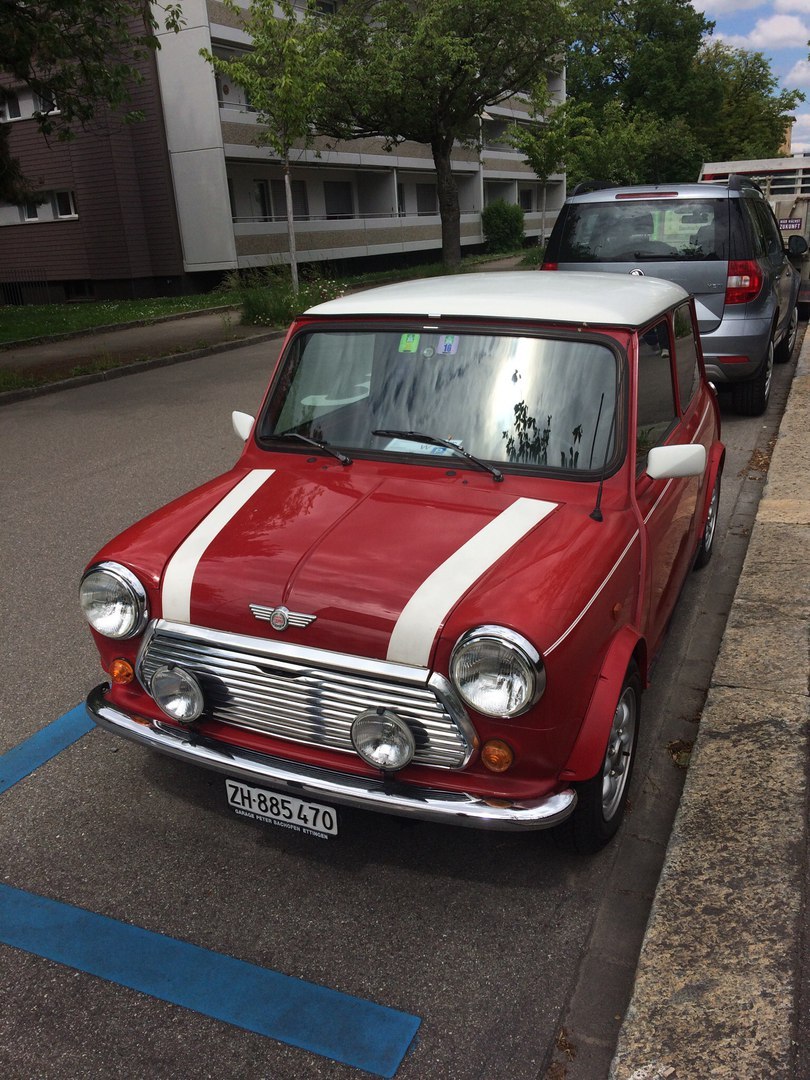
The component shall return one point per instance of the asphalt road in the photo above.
(497, 942)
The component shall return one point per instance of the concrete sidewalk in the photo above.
(718, 989)
(132, 346)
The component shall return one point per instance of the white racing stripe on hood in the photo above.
(180, 570)
(412, 639)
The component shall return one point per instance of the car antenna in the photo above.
(596, 513)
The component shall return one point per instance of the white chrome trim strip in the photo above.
(593, 599)
(413, 636)
(181, 568)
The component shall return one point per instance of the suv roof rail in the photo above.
(591, 185)
(737, 181)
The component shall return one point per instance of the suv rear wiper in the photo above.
(434, 440)
(317, 443)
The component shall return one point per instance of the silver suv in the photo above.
(720, 242)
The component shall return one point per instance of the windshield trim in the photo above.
(404, 324)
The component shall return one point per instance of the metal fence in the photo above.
(25, 287)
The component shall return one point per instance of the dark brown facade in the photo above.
(124, 240)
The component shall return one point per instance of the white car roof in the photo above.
(542, 296)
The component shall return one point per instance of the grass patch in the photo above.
(46, 320)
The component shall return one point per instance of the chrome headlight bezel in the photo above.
(177, 692)
(517, 652)
(131, 592)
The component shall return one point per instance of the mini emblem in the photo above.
(281, 617)
(637, 273)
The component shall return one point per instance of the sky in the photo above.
(780, 29)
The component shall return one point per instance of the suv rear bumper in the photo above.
(345, 789)
(736, 338)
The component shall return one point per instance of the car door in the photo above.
(666, 507)
(779, 273)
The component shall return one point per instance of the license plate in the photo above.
(299, 815)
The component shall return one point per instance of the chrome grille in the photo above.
(306, 695)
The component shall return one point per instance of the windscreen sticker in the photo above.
(409, 343)
(448, 344)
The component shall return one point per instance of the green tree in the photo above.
(638, 52)
(77, 56)
(284, 77)
(555, 141)
(748, 118)
(425, 70)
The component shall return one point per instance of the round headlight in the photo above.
(383, 739)
(177, 692)
(497, 672)
(113, 601)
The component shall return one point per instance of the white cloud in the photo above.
(775, 32)
(800, 142)
(782, 6)
(727, 7)
(799, 75)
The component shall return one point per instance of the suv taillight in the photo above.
(744, 281)
(549, 266)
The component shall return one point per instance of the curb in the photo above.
(717, 985)
(111, 328)
(10, 397)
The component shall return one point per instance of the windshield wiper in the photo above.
(317, 443)
(434, 440)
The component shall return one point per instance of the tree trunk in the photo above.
(290, 225)
(448, 202)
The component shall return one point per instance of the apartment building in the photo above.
(171, 203)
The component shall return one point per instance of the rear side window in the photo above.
(633, 230)
(686, 361)
(656, 413)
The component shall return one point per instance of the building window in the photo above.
(426, 199)
(30, 211)
(326, 7)
(64, 204)
(261, 200)
(337, 197)
(300, 199)
(401, 200)
(231, 198)
(526, 200)
(9, 106)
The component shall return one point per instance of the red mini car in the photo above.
(434, 581)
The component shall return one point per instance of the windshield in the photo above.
(692, 230)
(511, 400)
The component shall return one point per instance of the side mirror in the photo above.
(669, 462)
(796, 245)
(242, 424)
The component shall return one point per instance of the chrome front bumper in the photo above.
(426, 804)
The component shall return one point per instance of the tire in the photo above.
(704, 551)
(784, 350)
(601, 800)
(750, 398)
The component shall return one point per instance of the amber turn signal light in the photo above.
(121, 672)
(497, 755)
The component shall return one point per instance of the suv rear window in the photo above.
(686, 230)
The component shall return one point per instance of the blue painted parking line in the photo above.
(326, 1022)
(46, 744)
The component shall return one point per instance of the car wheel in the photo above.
(784, 350)
(704, 552)
(601, 800)
(750, 398)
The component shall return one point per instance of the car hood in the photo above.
(359, 562)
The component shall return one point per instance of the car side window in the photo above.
(755, 228)
(656, 411)
(770, 230)
(686, 361)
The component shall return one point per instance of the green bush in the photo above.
(503, 226)
(267, 298)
